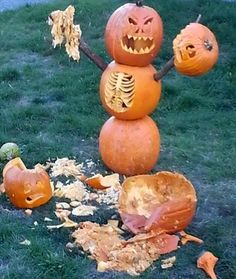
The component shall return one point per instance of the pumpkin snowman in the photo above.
(130, 87)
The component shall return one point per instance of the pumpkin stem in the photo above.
(139, 3)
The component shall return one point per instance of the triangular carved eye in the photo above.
(148, 21)
(132, 21)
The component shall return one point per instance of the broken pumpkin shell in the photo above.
(164, 202)
(26, 188)
(100, 182)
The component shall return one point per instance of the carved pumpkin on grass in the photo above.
(195, 50)
(26, 188)
(164, 202)
(133, 35)
(129, 92)
(129, 146)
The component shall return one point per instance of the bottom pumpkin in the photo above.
(129, 147)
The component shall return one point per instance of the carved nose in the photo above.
(139, 30)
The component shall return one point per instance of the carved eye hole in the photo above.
(132, 21)
(148, 21)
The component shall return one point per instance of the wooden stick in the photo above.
(170, 63)
(96, 59)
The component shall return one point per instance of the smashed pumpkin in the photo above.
(129, 147)
(129, 92)
(133, 35)
(195, 50)
(26, 188)
(164, 202)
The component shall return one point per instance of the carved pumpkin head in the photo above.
(129, 147)
(164, 202)
(133, 35)
(195, 50)
(26, 188)
(129, 92)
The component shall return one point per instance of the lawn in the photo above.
(50, 107)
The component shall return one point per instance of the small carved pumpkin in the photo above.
(26, 188)
(195, 50)
(129, 147)
(164, 202)
(129, 92)
(133, 35)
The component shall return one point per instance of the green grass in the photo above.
(49, 104)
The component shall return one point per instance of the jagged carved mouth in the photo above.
(137, 45)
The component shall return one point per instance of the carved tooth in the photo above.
(141, 51)
(147, 50)
(140, 38)
(135, 51)
(150, 38)
(130, 50)
(126, 48)
(129, 36)
(145, 38)
(135, 38)
(152, 47)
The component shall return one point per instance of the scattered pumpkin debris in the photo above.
(65, 167)
(83, 210)
(185, 238)
(112, 252)
(207, 262)
(100, 182)
(74, 203)
(74, 191)
(62, 214)
(2, 188)
(67, 224)
(62, 205)
(46, 219)
(25, 242)
(28, 212)
(167, 263)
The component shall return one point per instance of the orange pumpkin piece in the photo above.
(26, 188)
(195, 50)
(102, 182)
(129, 92)
(133, 35)
(164, 202)
(207, 262)
(188, 238)
(129, 147)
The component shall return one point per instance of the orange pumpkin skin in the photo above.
(129, 147)
(164, 202)
(128, 92)
(26, 188)
(195, 50)
(133, 35)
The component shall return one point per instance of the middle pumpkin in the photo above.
(128, 92)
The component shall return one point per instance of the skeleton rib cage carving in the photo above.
(119, 91)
